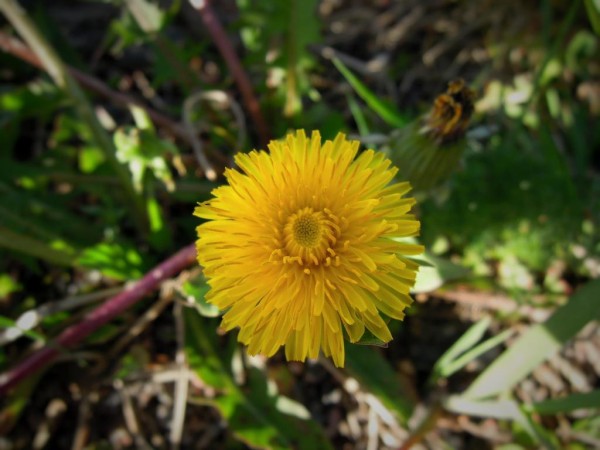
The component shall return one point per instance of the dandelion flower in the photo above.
(300, 247)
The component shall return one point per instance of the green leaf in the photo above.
(377, 376)
(118, 261)
(257, 416)
(195, 290)
(435, 272)
(382, 108)
(143, 151)
(160, 232)
(14, 403)
(8, 285)
(368, 338)
(302, 29)
(464, 343)
(8, 323)
(588, 400)
(593, 11)
(148, 16)
(502, 409)
(474, 353)
(57, 252)
(538, 343)
(357, 114)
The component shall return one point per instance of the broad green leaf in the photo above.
(538, 343)
(377, 376)
(258, 417)
(382, 108)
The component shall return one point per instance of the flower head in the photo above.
(428, 150)
(451, 112)
(300, 250)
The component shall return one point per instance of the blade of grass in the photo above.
(254, 414)
(464, 343)
(474, 353)
(377, 376)
(383, 109)
(56, 69)
(538, 343)
(502, 410)
(38, 249)
(566, 404)
(359, 117)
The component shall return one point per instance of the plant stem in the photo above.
(235, 66)
(55, 68)
(99, 316)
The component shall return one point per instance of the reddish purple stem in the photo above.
(99, 316)
(235, 66)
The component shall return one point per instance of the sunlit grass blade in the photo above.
(382, 108)
(474, 353)
(502, 410)
(538, 343)
(464, 343)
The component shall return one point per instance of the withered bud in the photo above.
(449, 117)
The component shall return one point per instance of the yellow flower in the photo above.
(299, 248)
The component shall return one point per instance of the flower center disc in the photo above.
(307, 230)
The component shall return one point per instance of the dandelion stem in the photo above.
(98, 317)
